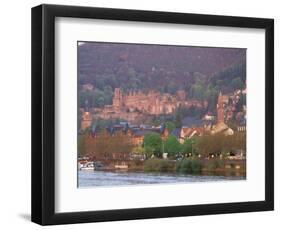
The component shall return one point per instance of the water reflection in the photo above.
(115, 178)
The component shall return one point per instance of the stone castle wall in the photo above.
(136, 106)
(152, 103)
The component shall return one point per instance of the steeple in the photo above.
(220, 109)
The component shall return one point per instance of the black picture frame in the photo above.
(43, 114)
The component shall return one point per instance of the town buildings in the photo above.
(129, 106)
(134, 134)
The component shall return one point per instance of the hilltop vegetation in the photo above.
(201, 72)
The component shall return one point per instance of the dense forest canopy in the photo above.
(201, 71)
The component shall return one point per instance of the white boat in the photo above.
(87, 166)
(121, 166)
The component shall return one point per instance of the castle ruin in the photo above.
(135, 104)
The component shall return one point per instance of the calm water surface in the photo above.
(105, 178)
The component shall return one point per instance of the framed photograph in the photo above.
(141, 114)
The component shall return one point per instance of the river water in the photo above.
(119, 178)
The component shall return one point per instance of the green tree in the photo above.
(148, 151)
(237, 83)
(104, 144)
(211, 144)
(172, 145)
(172, 87)
(178, 119)
(241, 102)
(100, 102)
(131, 72)
(170, 126)
(198, 92)
(138, 150)
(108, 95)
(220, 143)
(81, 145)
(187, 146)
(153, 143)
(212, 98)
(82, 99)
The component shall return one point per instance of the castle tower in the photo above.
(86, 120)
(220, 109)
(117, 99)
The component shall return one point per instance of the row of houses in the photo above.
(137, 133)
(134, 133)
(190, 126)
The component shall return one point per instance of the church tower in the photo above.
(117, 99)
(220, 109)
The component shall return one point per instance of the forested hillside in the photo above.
(201, 72)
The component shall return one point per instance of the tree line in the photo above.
(154, 145)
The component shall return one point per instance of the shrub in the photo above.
(189, 166)
(158, 165)
(184, 166)
(215, 164)
(196, 166)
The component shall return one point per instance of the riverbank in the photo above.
(185, 166)
(196, 166)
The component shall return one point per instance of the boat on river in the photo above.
(87, 166)
(91, 165)
(123, 166)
